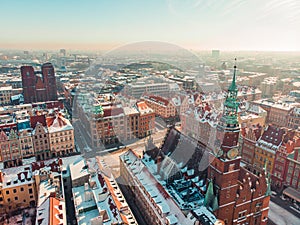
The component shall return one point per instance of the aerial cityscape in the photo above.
(150, 112)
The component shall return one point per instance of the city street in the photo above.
(111, 156)
(283, 211)
(280, 212)
(281, 216)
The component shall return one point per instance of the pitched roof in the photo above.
(58, 123)
(157, 99)
(38, 118)
(51, 212)
(273, 135)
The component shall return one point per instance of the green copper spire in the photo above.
(268, 191)
(231, 104)
(215, 204)
(209, 195)
(233, 86)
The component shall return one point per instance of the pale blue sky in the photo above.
(195, 24)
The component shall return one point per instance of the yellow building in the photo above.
(61, 135)
(161, 106)
(267, 146)
(17, 189)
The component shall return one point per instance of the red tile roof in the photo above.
(112, 111)
(35, 119)
(158, 99)
(61, 121)
(55, 213)
(273, 135)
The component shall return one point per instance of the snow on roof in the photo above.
(100, 199)
(53, 209)
(45, 189)
(58, 123)
(143, 108)
(157, 99)
(205, 215)
(78, 169)
(172, 219)
(155, 191)
(130, 110)
(277, 104)
(16, 176)
(43, 213)
(67, 161)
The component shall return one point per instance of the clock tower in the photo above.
(223, 172)
(228, 128)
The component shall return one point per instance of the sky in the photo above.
(267, 25)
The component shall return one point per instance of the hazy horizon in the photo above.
(233, 25)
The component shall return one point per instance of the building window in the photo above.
(231, 167)
(7, 192)
(242, 215)
(15, 191)
(22, 189)
(16, 198)
(30, 191)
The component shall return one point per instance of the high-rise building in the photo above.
(62, 52)
(39, 86)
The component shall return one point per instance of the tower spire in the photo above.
(233, 86)
(231, 103)
(228, 126)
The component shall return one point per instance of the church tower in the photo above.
(223, 172)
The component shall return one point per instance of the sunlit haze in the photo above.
(269, 25)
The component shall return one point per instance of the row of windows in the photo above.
(21, 189)
(16, 199)
(61, 133)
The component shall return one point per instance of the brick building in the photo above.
(286, 170)
(237, 194)
(194, 174)
(39, 86)
(266, 147)
(146, 123)
(280, 114)
(249, 136)
(161, 106)
(294, 118)
(10, 148)
(276, 150)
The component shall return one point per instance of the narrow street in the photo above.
(281, 216)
